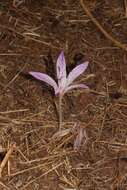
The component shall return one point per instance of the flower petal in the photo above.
(61, 66)
(78, 70)
(45, 78)
(76, 86)
(79, 138)
(61, 71)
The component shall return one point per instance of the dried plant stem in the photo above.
(60, 112)
(42, 175)
(106, 34)
(6, 158)
(125, 4)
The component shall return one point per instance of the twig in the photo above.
(25, 158)
(125, 5)
(28, 38)
(13, 111)
(106, 34)
(3, 185)
(28, 169)
(6, 158)
(9, 164)
(9, 168)
(15, 77)
(17, 3)
(47, 172)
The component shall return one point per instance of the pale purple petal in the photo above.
(61, 66)
(45, 78)
(76, 86)
(79, 138)
(61, 71)
(78, 70)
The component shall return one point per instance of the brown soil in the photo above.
(32, 34)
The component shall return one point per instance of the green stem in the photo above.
(60, 112)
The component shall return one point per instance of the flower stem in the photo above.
(60, 112)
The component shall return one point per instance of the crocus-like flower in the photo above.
(65, 83)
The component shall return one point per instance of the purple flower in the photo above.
(65, 83)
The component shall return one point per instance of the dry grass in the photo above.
(32, 35)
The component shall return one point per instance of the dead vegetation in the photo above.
(32, 33)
